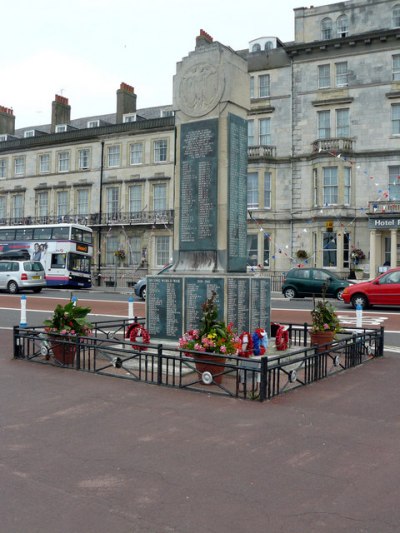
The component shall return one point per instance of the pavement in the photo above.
(85, 453)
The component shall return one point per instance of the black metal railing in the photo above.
(108, 352)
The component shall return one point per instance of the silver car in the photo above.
(20, 275)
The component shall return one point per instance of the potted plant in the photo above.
(68, 321)
(357, 255)
(325, 322)
(215, 338)
(301, 254)
(120, 254)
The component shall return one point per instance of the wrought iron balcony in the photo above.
(154, 218)
(381, 207)
(261, 152)
(335, 144)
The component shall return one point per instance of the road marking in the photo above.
(366, 320)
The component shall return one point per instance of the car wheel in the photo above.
(359, 299)
(289, 293)
(339, 295)
(143, 293)
(38, 289)
(12, 287)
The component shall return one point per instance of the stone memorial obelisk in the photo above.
(211, 99)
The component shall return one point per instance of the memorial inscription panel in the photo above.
(237, 194)
(197, 291)
(164, 306)
(238, 291)
(198, 186)
(260, 304)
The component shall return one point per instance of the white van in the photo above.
(20, 275)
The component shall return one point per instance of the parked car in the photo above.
(16, 255)
(21, 275)
(300, 282)
(383, 290)
(140, 286)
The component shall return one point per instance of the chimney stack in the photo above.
(60, 112)
(7, 121)
(204, 39)
(126, 101)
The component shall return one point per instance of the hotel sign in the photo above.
(384, 223)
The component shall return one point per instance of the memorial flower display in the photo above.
(324, 317)
(69, 319)
(213, 336)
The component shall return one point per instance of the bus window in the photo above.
(79, 263)
(25, 234)
(76, 234)
(87, 237)
(7, 234)
(60, 233)
(41, 233)
(58, 261)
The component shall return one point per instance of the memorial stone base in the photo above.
(174, 302)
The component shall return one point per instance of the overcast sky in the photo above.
(84, 49)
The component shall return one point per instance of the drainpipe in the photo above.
(100, 208)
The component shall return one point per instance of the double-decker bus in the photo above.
(65, 251)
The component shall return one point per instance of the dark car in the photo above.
(15, 255)
(383, 290)
(140, 286)
(300, 282)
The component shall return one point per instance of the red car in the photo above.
(383, 290)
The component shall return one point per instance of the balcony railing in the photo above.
(336, 144)
(261, 152)
(141, 218)
(384, 207)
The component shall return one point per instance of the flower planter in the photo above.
(63, 351)
(320, 338)
(207, 366)
(359, 274)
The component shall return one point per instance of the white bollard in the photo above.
(74, 299)
(359, 316)
(23, 323)
(130, 309)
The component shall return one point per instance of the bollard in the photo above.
(130, 309)
(23, 323)
(359, 316)
(74, 299)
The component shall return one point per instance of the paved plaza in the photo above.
(85, 453)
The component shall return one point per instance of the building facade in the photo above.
(323, 155)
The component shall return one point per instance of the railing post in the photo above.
(78, 353)
(381, 341)
(17, 341)
(159, 364)
(263, 380)
(305, 334)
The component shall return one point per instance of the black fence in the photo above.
(108, 353)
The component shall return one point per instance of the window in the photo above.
(394, 183)
(252, 250)
(266, 251)
(342, 26)
(396, 67)
(265, 131)
(263, 86)
(17, 207)
(62, 203)
(329, 249)
(346, 250)
(268, 45)
(136, 154)
(326, 29)
(3, 209)
(162, 250)
(129, 117)
(324, 124)
(324, 76)
(3, 168)
(135, 199)
(396, 16)
(315, 186)
(160, 151)
(19, 166)
(396, 119)
(43, 204)
(342, 123)
(93, 123)
(82, 202)
(112, 201)
(44, 163)
(160, 197)
(250, 133)
(267, 190)
(256, 48)
(112, 245)
(252, 190)
(135, 251)
(114, 153)
(84, 159)
(61, 128)
(330, 186)
(63, 162)
(251, 86)
(347, 186)
(29, 133)
(341, 74)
